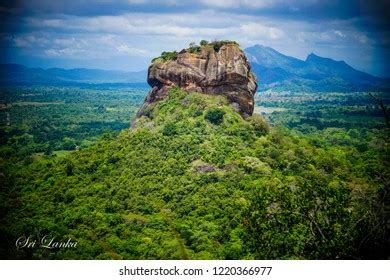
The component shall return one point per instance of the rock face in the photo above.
(226, 72)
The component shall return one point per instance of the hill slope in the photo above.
(19, 74)
(278, 71)
(194, 180)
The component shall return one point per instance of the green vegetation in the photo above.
(260, 125)
(349, 119)
(165, 56)
(193, 48)
(194, 180)
(218, 44)
(215, 116)
(47, 119)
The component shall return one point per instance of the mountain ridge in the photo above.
(20, 74)
(274, 70)
(281, 72)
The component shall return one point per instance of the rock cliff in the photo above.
(222, 71)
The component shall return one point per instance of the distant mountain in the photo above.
(273, 69)
(280, 72)
(19, 74)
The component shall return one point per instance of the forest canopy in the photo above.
(195, 180)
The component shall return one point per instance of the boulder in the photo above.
(223, 72)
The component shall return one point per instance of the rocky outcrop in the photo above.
(223, 72)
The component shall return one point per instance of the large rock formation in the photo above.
(223, 72)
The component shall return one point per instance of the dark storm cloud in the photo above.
(302, 9)
(128, 33)
(96, 8)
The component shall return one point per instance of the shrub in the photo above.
(215, 116)
(69, 169)
(259, 124)
(169, 55)
(194, 49)
(169, 129)
(166, 56)
(218, 44)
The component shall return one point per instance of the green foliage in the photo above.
(193, 48)
(318, 227)
(69, 169)
(215, 116)
(49, 119)
(165, 56)
(178, 186)
(260, 125)
(169, 129)
(218, 44)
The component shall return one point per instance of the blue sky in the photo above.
(126, 34)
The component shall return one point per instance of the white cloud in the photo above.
(256, 30)
(133, 24)
(259, 4)
(145, 35)
(29, 41)
(136, 1)
(339, 33)
(222, 3)
(66, 53)
(124, 48)
(80, 46)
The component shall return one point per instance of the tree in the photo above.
(260, 125)
(385, 110)
(215, 116)
(69, 169)
(169, 129)
(48, 151)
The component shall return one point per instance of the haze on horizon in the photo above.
(126, 34)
